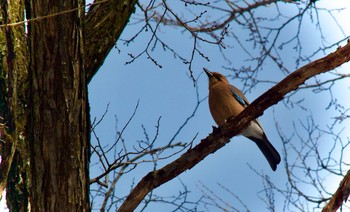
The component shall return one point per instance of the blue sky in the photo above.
(168, 92)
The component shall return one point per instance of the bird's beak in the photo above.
(209, 74)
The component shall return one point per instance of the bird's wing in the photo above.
(238, 95)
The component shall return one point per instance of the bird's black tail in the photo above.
(270, 153)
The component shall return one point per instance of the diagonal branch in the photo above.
(340, 196)
(220, 136)
(103, 25)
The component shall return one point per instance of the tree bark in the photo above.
(44, 113)
(13, 77)
(58, 131)
(340, 196)
(104, 23)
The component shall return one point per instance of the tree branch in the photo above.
(340, 196)
(103, 25)
(221, 136)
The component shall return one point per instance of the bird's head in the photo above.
(215, 77)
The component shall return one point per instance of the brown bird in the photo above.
(226, 101)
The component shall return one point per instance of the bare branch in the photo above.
(106, 20)
(340, 196)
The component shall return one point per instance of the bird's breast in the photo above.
(222, 104)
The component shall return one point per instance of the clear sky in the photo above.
(169, 93)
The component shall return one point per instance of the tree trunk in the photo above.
(44, 112)
(58, 130)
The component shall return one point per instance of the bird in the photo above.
(227, 101)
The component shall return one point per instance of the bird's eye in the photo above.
(218, 77)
